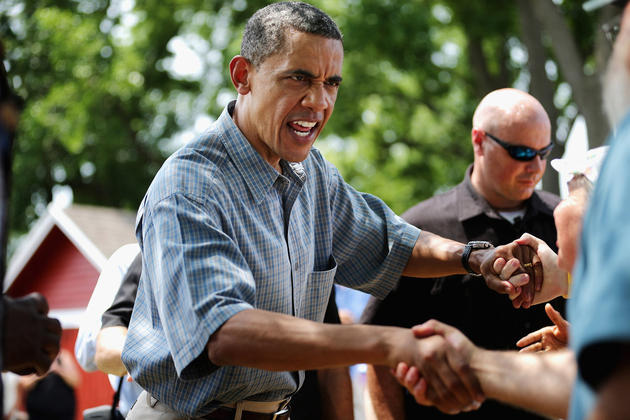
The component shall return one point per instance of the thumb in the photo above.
(529, 240)
(431, 327)
(422, 330)
(554, 315)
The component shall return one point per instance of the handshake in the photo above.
(443, 369)
(526, 270)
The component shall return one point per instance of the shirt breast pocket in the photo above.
(318, 287)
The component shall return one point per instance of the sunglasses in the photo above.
(522, 153)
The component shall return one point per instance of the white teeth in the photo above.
(306, 124)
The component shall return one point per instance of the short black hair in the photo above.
(265, 31)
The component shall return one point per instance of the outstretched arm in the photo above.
(272, 341)
(539, 382)
(435, 256)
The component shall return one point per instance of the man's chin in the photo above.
(525, 194)
(296, 157)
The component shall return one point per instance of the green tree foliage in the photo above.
(92, 119)
(109, 96)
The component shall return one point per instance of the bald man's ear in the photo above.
(477, 136)
(240, 71)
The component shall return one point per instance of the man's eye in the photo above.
(298, 77)
(333, 83)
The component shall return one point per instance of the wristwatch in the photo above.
(470, 247)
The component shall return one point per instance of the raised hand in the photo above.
(545, 265)
(547, 338)
(555, 279)
(524, 264)
(449, 373)
(30, 337)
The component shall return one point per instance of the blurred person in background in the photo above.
(52, 396)
(29, 337)
(103, 328)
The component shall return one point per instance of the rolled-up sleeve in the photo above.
(198, 277)
(371, 243)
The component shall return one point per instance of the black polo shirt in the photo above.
(465, 301)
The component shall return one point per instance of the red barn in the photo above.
(61, 258)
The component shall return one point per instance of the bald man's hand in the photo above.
(30, 338)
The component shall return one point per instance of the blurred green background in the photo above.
(111, 88)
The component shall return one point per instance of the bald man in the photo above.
(496, 202)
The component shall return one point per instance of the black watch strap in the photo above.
(468, 249)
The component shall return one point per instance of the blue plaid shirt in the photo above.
(221, 231)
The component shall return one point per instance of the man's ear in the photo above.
(477, 136)
(240, 70)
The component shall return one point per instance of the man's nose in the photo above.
(317, 98)
(537, 164)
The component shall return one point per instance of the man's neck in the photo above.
(237, 116)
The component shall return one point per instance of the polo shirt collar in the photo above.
(257, 173)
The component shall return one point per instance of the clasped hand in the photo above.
(440, 374)
(532, 256)
(31, 338)
(514, 269)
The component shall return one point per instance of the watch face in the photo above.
(480, 244)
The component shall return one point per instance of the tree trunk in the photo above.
(586, 89)
(540, 86)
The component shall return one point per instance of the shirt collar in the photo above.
(257, 173)
(471, 204)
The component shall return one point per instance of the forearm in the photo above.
(435, 256)
(552, 288)
(386, 394)
(109, 345)
(539, 382)
(272, 341)
(335, 389)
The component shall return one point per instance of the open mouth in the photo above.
(303, 128)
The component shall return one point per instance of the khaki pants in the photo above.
(148, 408)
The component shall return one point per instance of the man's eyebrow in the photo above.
(309, 75)
(301, 72)
(334, 79)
